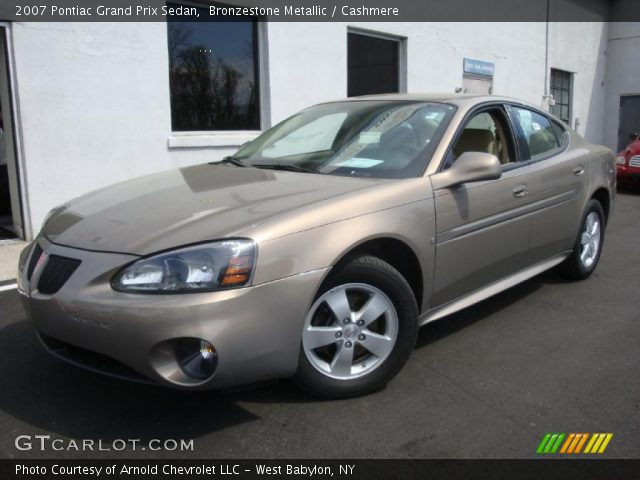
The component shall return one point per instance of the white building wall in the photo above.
(94, 98)
(93, 101)
(580, 48)
(623, 74)
(313, 57)
(307, 65)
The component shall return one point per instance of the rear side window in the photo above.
(536, 134)
(561, 133)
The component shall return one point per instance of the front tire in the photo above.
(359, 332)
(588, 246)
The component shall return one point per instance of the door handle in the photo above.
(520, 191)
(579, 170)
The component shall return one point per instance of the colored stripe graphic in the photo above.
(567, 442)
(556, 446)
(605, 443)
(572, 443)
(547, 448)
(550, 443)
(598, 442)
(581, 443)
(594, 437)
(543, 443)
(576, 444)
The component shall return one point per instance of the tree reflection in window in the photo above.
(214, 74)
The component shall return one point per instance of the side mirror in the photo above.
(633, 136)
(469, 167)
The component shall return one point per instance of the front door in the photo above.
(482, 235)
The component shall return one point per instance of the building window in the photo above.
(373, 64)
(214, 75)
(561, 92)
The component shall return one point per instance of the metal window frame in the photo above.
(558, 102)
(262, 64)
(561, 145)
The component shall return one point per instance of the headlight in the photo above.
(54, 211)
(620, 160)
(201, 268)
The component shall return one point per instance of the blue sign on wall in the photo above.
(479, 67)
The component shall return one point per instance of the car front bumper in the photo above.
(255, 330)
(627, 175)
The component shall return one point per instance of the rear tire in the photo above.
(588, 245)
(365, 306)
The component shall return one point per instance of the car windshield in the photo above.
(363, 138)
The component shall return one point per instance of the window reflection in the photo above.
(214, 74)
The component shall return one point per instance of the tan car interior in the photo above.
(541, 142)
(484, 133)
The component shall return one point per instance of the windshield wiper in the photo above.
(286, 167)
(232, 160)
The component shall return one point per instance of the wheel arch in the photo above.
(396, 252)
(602, 196)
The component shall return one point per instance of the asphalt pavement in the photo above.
(487, 382)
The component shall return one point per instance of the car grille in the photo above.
(634, 161)
(35, 255)
(55, 273)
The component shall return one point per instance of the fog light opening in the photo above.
(196, 357)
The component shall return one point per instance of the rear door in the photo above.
(482, 229)
(557, 179)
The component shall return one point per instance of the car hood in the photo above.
(188, 205)
(632, 149)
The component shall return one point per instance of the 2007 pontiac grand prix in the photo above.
(319, 248)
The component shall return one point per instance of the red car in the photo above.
(628, 163)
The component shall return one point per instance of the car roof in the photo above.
(464, 100)
(457, 98)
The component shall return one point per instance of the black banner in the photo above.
(578, 469)
(321, 10)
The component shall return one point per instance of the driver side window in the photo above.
(485, 132)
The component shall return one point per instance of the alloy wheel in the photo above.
(350, 330)
(590, 239)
